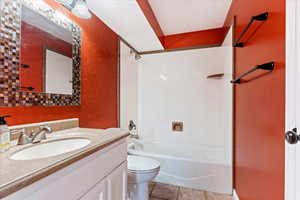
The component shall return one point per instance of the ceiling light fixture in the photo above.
(81, 9)
(66, 3)
(78, 7)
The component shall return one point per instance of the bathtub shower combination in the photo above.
(159, 90)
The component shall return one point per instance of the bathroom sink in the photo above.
(49, 149)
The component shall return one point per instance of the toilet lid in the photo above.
(137, 163)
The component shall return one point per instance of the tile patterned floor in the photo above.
(160, 191)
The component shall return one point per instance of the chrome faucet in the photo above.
(34, 138)
(40, 134)
(23, 138)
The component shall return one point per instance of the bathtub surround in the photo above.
(173, 87)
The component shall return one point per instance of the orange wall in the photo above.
(259, 109)
(99, 81)
(99, 76)
(22, 115)
(194, 39)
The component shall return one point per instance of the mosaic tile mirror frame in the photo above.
(10, 41)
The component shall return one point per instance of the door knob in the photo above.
(292, 137)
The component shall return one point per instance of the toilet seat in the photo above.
(137, 164)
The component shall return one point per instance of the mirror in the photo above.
(40, 53)
(46, 64)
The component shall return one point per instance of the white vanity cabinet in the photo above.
(117, 184)
(99, 192)
(113, 187)
(99, 176)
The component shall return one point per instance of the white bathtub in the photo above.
(182, 171)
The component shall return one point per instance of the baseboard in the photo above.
(235, 195)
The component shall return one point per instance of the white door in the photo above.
(292, 172)
(117, 183)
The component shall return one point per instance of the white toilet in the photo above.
(141, 171)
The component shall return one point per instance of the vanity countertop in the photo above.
(17, 174)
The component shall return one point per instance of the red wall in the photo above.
(259, 108)
(22, 115)
(99, 81)
(99, 76)
(195, 39)
(32, 54)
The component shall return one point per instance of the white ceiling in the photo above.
(181, 16)
(126, 18)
